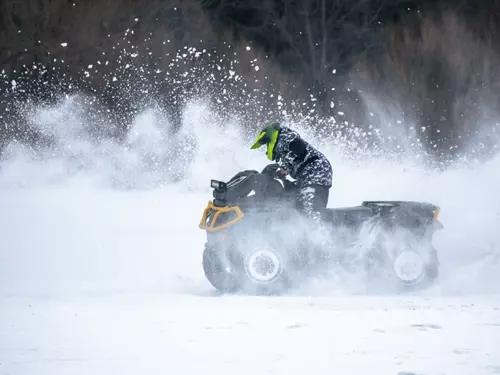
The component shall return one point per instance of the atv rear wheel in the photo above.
(416, 267)
(408, 270)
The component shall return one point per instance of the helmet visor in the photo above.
(261, 140)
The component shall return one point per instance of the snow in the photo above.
(96, 279)
(189, 334)
(86, 241)
(104, 282)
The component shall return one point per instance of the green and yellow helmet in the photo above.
(268, 136)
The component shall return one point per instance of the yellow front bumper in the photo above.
(213, 227)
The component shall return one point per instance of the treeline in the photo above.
(432, 66)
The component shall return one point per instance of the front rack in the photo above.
(217, 211)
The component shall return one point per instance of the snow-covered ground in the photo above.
(95, 280)
(166, 333)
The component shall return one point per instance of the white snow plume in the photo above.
(151, 155)
(72, 226)
(89, 213)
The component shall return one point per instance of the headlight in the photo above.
(217, 185)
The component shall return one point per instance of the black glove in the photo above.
(271, 170)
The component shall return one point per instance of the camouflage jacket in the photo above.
(302, 161)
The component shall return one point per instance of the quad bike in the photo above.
(259, 243)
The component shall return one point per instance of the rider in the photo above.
(309, 167)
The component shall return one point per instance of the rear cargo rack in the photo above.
(381, 203)
(217, 211)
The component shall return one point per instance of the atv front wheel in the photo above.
(264, 270)
(253, 262)
(217, 269)
(263, 266)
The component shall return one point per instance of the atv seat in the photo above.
(348, 216)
